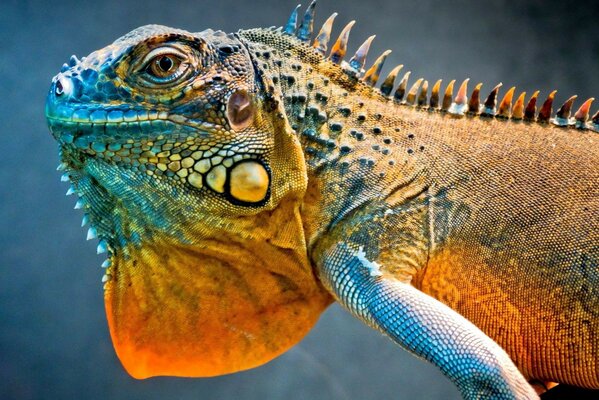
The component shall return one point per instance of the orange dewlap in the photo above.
(199, 313)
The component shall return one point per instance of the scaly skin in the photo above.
(320, 188)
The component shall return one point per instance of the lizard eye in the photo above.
(165, 65)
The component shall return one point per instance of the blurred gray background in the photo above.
(54, 342)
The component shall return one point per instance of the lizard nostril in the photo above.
(58, 89)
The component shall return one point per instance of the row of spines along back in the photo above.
(418, 94)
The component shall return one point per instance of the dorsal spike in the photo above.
(411, 97)
(491, 102)
(505, 107)
(291, 26)
(518, 110)
(423, 94)
(304, 33)
(459, 105)
(563, 114)
(474, 103)
(389, 81)
(447, 97)
(547, 108)
(531, 107)
(371, 76)
(401, 89)
(340, 47)
(582, 115)
(462, 97)
(359, 59)
(434, 101)
(322, 39)
(73, 60)
(595, 118)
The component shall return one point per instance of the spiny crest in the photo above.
(418, 96)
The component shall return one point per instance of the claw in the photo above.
(322, 39)
(389, 81)
(547, 108)
(371, 76)
(340, 47)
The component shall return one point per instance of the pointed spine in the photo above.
(447, 97)
(389, 81)
(401, 89)
(291, 25)
(562, 118)
(411, 97)
(371, 76)
(434, 101)
(518, 110)
(582, 115)
(531, 108)
(460, 104)
(340, 47)
(422, 97)
(547, 108)
(491, 102)
(474, 103)
(304, 32)
(505, 107)
(595, 122)
(322, 39)
(359, 59)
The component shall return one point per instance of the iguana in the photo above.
(240, 183)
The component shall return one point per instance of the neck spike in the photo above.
(434, 101)
(411, 97)
(423, 94)
(547, 108)
(340, 47)
(359, 59)
(531, 107)
(582, 115)
(389, 82)
(518, 110)
(491, 102)
(372, 75)
(401, 89)
(304, 32)
(474, 103)
(447, 97)
(460, 103)
(505, 107)
(291, 25)
(562, 118)
(322, 39)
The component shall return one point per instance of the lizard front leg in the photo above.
(422, 325)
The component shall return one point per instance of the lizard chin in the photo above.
(182, 311)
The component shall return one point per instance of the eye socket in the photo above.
(165, 65)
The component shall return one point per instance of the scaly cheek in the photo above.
(184, 313)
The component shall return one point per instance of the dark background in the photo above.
(54, 342)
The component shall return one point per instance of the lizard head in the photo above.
(192, 179)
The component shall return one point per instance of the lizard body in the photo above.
(240, 194)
